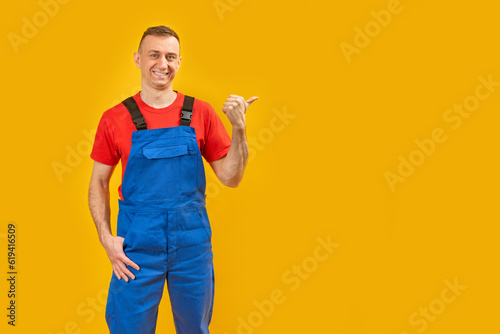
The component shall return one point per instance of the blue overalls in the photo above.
(167, 232)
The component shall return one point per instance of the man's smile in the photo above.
(160, 74)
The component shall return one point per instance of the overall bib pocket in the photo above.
(183, 164)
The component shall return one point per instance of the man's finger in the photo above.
(124, 272)
(252, 99)
(132, 264)
(129, 273)
(127, 261)
(117, 274)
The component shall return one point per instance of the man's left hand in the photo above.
(235, 109)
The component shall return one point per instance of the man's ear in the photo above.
(136, 59)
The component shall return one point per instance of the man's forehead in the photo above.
(160, 43)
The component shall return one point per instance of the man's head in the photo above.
(158, 57)
(159, 31)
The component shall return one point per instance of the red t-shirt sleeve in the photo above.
(105, 150)
(217, 140)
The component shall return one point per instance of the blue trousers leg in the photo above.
(173, 245)
(190, 277)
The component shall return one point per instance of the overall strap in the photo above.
(140, 123)
(136, 114)
(187, 110)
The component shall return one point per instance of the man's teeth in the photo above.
(161, 74)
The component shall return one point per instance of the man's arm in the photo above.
(230, 168)
(100, 211)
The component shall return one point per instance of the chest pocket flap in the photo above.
(165, 152)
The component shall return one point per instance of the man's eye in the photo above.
(154, 56)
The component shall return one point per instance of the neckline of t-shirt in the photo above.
(146, 107)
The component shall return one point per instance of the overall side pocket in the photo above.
(124, 224)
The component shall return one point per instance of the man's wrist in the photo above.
(239, 128)
(106, 239)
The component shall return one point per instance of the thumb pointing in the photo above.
(250, 100)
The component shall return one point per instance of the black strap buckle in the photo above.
(187, 110)
(140, 123)
(186, 115)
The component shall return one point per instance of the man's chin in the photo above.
(161, 85)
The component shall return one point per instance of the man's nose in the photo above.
(162, 62)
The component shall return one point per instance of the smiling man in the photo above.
(163, 233)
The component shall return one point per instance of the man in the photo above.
(163, 230)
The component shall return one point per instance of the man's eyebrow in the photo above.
(158, 51)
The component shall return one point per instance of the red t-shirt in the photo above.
(114, 134)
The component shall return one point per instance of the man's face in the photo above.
(159, 60)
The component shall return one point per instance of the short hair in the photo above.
(159, 31)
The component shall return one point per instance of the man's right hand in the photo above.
(114, 249)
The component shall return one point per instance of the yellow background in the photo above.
(319, 174)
